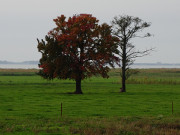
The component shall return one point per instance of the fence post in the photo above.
(61, 109)
(172, 107)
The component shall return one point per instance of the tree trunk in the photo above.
(123, 89)
(78, 87)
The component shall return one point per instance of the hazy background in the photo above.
(22, 21)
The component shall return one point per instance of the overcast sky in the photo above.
(23, 21)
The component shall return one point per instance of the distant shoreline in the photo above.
(135, 66)
(20, 63)
(37, 62)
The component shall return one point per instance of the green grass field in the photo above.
(32, 105)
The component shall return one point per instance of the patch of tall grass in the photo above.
(93, 126)
(150, 76)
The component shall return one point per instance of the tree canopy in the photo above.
(78, 48)
(126, 28)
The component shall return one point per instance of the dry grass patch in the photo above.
(18, 70)
(125, 126)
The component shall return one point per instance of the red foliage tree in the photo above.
(77, 49)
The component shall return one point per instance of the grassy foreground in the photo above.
(31, 105)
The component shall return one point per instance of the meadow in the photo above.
(32, 105)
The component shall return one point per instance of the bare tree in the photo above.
(126, 28)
